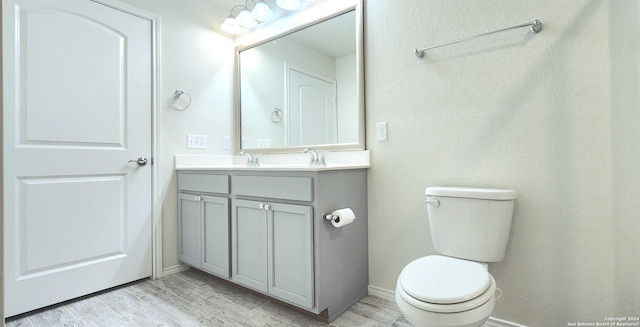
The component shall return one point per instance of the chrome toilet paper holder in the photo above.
(330, 217)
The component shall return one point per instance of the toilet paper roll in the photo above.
(344, 217)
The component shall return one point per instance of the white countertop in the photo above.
(274, 162)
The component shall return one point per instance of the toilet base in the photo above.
(421, 318)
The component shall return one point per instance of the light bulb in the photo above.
(288, 4)
(245, 19)
(262, 12)
(230, 25)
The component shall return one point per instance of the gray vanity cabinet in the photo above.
(190, 229)
(249, 245)
(290, 245)
(272, 249)
(204, 224)
(276, 240)
(215, 217)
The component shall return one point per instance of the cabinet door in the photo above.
(190, 229)
(249, 244)
(216, 235)
(290, 264)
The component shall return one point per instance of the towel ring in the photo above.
(176, 96)
(276, 115)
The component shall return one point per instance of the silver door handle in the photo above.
(140, 161)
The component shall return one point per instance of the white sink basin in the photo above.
(281, 162)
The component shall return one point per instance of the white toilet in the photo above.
(469, 227)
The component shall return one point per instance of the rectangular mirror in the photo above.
(303, 87)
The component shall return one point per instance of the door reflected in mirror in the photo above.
(303, 89)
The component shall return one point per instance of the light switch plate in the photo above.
(196, 141)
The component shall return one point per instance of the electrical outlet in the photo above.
(196, 141)
(226, 143)
(381, 131)
(264, 143)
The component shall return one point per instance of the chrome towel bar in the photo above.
(536, 27)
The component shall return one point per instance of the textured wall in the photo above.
(554, 116)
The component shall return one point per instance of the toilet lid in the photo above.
(444, 280)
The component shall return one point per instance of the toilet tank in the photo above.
(470, 223)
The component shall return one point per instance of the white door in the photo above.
(77, 108)
(311, 109)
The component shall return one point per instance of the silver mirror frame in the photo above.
(267, 35)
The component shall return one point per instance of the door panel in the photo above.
(77, 108)
(47, 244)
(249, 244)
(291, 253)
(62, 85)
(190, 229)
(311, 109)
(216, 235)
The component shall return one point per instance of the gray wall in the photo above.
(555, 117)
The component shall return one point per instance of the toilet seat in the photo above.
(444, 284)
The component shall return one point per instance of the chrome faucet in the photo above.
(317, 159)
(252, 161)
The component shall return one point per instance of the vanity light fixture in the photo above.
(245, 18)
(260, 12)
(230, 25)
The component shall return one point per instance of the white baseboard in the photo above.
(174, 270)
(382, 292)
(390, 295)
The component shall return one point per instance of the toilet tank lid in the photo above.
(471, 192)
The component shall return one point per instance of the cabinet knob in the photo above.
(264, 206)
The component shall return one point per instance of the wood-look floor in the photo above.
(193, 298)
